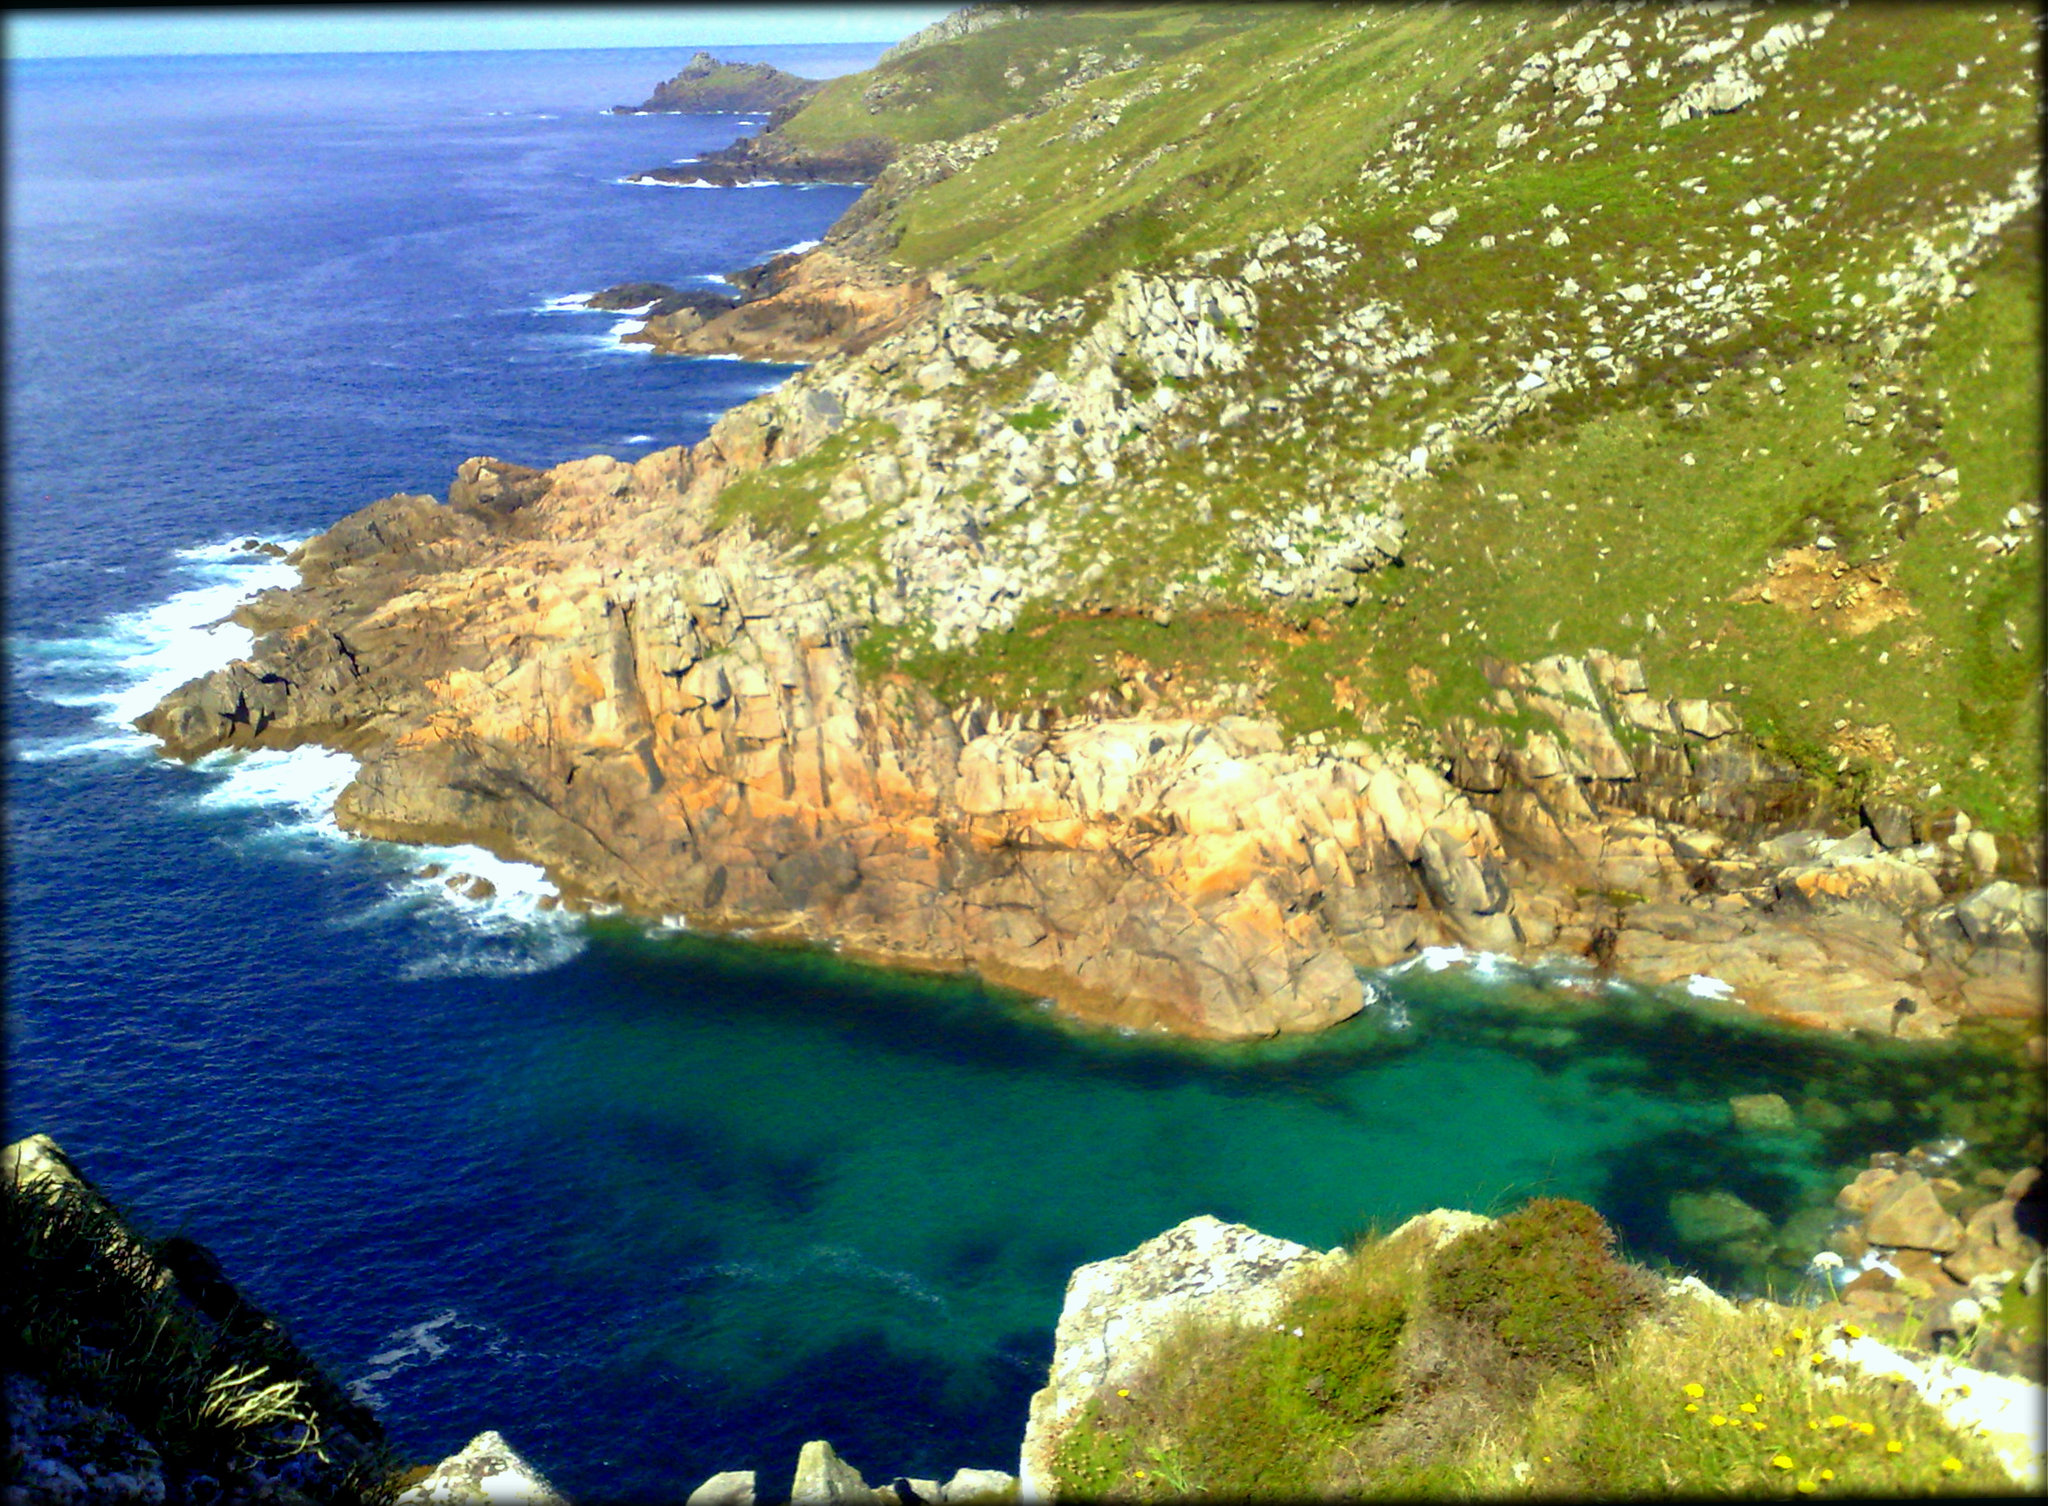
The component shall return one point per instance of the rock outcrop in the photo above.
(484, 1469)
(797, 308)
(576, 668)
(775, 158)
(1222, 1280)
(670, 717)
(75, 1441)
(708, 86)
(1116, 1312)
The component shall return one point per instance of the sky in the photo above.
(154, 31)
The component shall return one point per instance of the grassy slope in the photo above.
(1618, 507)
(947, 90)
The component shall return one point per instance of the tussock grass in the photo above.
(89, 1310)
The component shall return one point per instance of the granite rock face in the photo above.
(574, 668)
(577, 667)
(485, 1469)
(1116, 1312)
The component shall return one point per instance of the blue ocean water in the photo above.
(651, 1204)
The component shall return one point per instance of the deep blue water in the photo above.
(650, 1204)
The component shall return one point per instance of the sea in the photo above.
(650, 1203)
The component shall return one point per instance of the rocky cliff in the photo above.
(1170, 646)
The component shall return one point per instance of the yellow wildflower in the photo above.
(1695, 1389)
(1866, 1428)
(1838, 1421)
(1893, 1446)
(1807, 1487)
(1749, 1407)
(1777, 1353)
(1813, 1425)
(1718, 1420)
(1692, 1406)
(1123, 1390)
(1758, 1426)
(1950, 1465)
(1827, 1474)
(1852, 1330)
(1816, 1357)
(1781, 1461)
(1798, 1336)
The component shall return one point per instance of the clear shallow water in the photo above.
(651, 1204)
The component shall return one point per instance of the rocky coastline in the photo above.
(590, 669)
(653, 679)
(770, 158)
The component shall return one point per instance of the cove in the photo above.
(817, 1199)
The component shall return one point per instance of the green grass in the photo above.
(783, 500)
(1494, 1367)
(945, 91)
(84, 1313)
(1655, 516)
(1237, 1413)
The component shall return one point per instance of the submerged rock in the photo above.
(1715, 1217)
(1765, 1113)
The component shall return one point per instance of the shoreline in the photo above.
(1098, 1008)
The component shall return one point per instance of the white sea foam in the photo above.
(641, 180)
(613, 340)
(1706, 986)
(139, 657)
(1382, 1005)
(797, 248)
(54, 749)
(447, 1332)
(300, 784)
(568, 303)
(638, 439)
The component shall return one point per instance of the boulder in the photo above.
(1715, 1217)
(730, 1487)
(1892, 825)
(1977, 1257)
(1871, 1186)
(1910, 1216)
(822, 1477)
(485, 1469)
(978, 1485)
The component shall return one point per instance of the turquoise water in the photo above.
(649, 1205)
